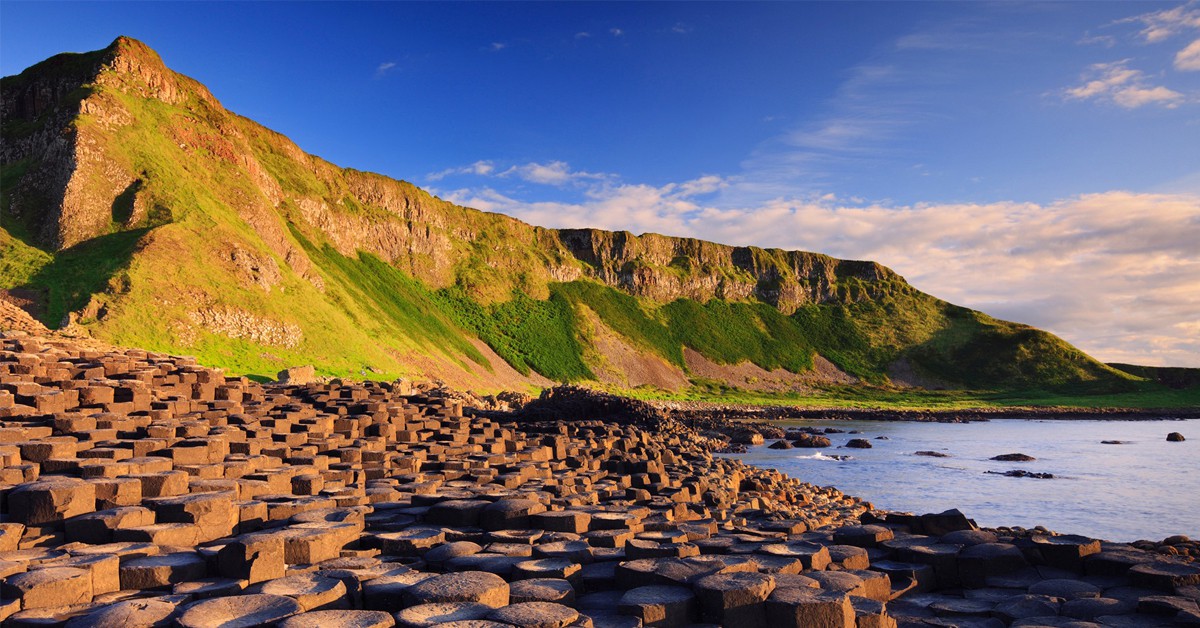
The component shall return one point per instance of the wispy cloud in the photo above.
(1161, 25)
(480, 168)
(1188, 59)
(552, 173)
(497, 46)
(582, 35)
(384, 68)
(681, 28)
(616, 32)
(1116, 82)
(1116, 273)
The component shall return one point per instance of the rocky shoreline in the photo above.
(140, 489)
(720, 411)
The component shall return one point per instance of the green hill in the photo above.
(136, 207)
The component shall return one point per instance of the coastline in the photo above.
(140, 481)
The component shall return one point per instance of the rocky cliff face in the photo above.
(74, 187)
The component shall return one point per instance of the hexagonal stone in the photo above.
(50, 500)
(535, 615)
(386, 592)
(668, 606)
(411, 541)
(339, 619)
(466, 586)
(441, 613)
(862, 536)
(815, 557)
(242, 611)
(979, 562)
(1066, 589)
(461, 513)
(141, 613)
(509, 514)
(1023, 606)
(312, 591)
(574, 521)
(1066, 551)
(546, 568)
(871, 613)
(164, 570)
(49, 587)
(734, 599)
(809, 608)
(541, 590)
(97, 527)
(1091, 608)
(1164, 575)
(253, 558)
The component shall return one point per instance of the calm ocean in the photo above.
(1146, 489)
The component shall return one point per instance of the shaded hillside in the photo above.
(135, 206)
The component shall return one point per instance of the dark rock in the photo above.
(931, 454)
(859, 443)
(1013, 458)
(811, 441)
(1021, 473)
(1175, 437)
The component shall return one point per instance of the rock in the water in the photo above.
(931, 454)
(811, 441)
(1021, 473)
(1175, 437)
(1013, 458)
(780, 444)
(859, 443)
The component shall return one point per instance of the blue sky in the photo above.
(1000, 155)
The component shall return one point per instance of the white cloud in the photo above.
(384, 68)
(1161, 25)
(582, 35)
(616, 32)
(1116, 273)
(1120, 84)
(497, 46)
(1188, 59)
(479, 168)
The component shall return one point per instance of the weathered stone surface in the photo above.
(313, 592)
(50, 500)
(535, 615)
(243, 611)
(147, 613)
(339, 619)
(477, 587)
(164, 570)
(734, 599)
(809, 608)
(441, 613)
(49, 587)
(667, 606)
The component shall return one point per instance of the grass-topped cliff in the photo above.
(136, 207)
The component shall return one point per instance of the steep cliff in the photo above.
(135, 206)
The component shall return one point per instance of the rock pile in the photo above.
(139, 489)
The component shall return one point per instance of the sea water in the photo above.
(1147, 488)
